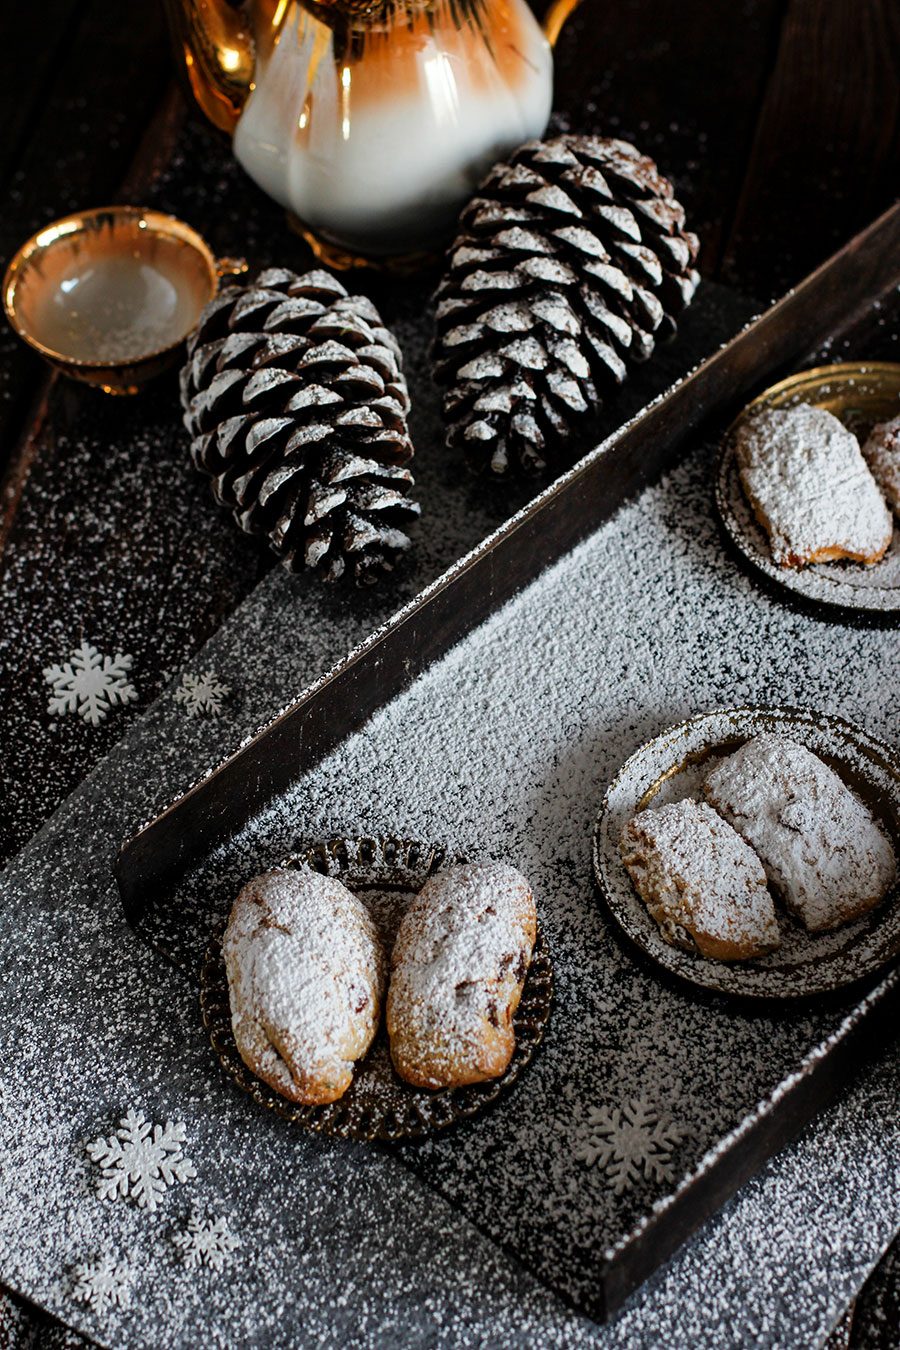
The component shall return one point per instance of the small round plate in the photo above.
(671, 767)
(385, 873)
(860, 395)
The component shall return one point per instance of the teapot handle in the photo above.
(556, 16)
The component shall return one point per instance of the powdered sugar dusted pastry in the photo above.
(805, 477)
(700, 881)
(882, 454)
(305, 979)
(457, 974)
(821, 848)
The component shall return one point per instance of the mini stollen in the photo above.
(570, 262)
(295, 399)
(385, 873)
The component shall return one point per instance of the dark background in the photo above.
(778, 120)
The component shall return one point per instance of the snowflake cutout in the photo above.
(140, 1160)
(103, 1283)
(202, 694)
(90, 684)
(204, 1242)
(628, 1142)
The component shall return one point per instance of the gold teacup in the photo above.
(108, 296)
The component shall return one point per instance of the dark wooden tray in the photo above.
(571, 508)
(152, 863)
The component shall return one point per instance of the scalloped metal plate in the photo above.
(379, 1105)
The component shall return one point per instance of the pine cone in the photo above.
(295, 399)
(569, 262)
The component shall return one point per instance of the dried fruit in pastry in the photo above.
(457, 974)
(812, 492)
(700, 881)
(881, 452)
(821, 847)
(305, 979)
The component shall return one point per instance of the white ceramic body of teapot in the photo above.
(370, 121)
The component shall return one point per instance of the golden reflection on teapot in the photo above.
(370, 121)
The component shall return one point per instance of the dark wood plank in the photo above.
(33, 44)
(682, 81)
(826, 157)
(85, 83)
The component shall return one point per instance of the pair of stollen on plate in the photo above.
(386, 873)
(672, 767)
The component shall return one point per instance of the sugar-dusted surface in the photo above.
(305, 977)
(522, 726)
(824, 853)
(806, 477)
(702, 883)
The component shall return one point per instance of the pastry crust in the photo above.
(305, 978)
(457, 973)
(812, 492)
(700, 881)
(882, 454)
(821, 848)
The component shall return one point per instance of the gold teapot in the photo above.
(370, 121)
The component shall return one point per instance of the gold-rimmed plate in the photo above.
(385, 873)
(860, 394)
(671, 767)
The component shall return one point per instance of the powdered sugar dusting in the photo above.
(806, 477)
(822, 850)
(305, 974)
(462, 950)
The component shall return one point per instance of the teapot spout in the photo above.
(216, 51)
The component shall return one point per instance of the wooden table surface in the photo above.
(778, 120)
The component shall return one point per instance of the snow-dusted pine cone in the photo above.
(571, 259)
(296, 403)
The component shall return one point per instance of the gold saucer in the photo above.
(859, 393)
(109, 295)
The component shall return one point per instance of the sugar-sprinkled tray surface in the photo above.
(503, 750)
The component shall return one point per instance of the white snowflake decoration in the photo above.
(628, 1142)
(204, 1242)
(103, 1283)
(90, 684)
(202, 694)
(140, 1160)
